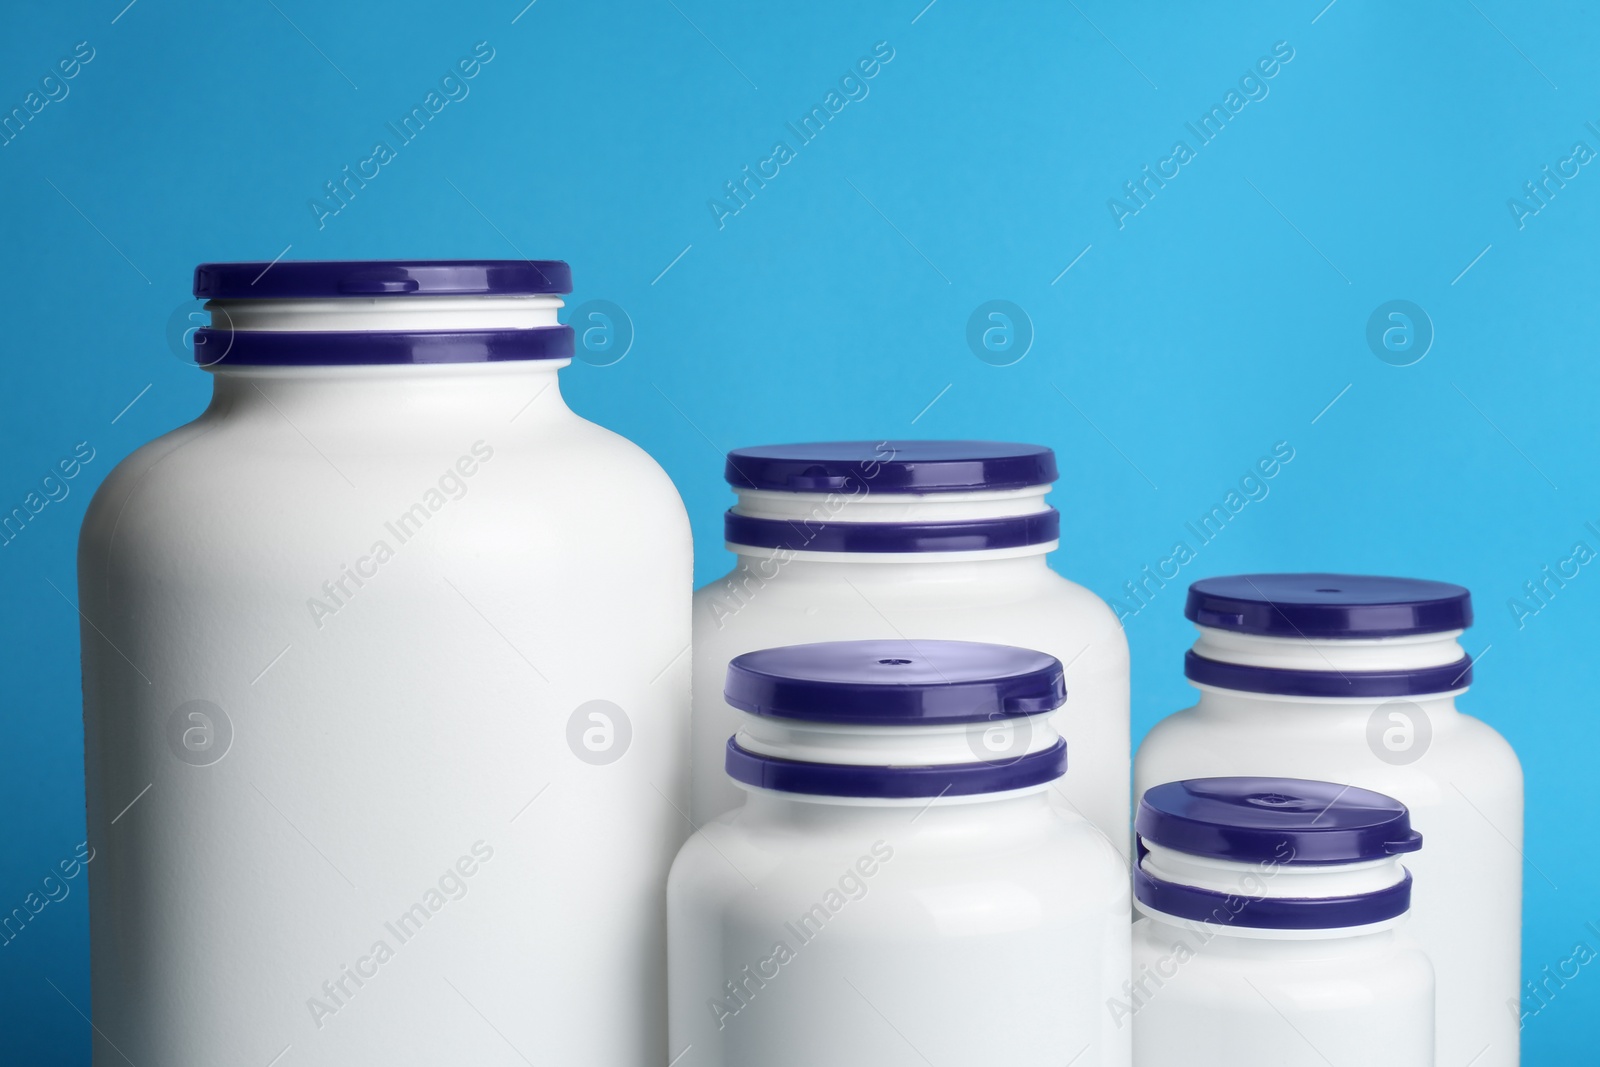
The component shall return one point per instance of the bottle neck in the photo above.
(1237, 890)
(897, 764)
(861, 504)
(867, 745)
(991, 814)
(385, 313)
(1215, 940)
(906, 528)
(1277, 878)
(329, 397)
(1235, 704)
(1412, 652)
(1281, 667)
(866, 570)
(486, 395)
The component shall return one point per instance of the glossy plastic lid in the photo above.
(1283, 820)
(895, 682)
(302, 279)
(1328, 605)
(891, 782)
(891, 466)
(971, 535)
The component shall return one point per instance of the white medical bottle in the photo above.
(897, 888)
(1274, 929)
(1354, 679)
(385, 705)
(921, 539)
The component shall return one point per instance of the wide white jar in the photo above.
(885, 898)
(1354, 679)
(1274, 929)
(385, 701)
(910, 539)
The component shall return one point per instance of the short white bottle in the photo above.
(889, 893)
(1274, 929)
(1354, 678)
(385, 701)
(920, 539)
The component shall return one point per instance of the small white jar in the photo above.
(881, 898)
(918, 539)
(1353, 679)
(1273, 930)
(385, 700)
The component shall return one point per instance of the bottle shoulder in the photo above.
(762, 596)
(147, 470)
(1311, 969)
(1045, 863)
(1453, 726)
(212, 486)
(1399, 747)
(1487, 742)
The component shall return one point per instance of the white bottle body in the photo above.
(984, 930)
(1460, 780)
(1212, 998)
(1002, 598)
(404, 751)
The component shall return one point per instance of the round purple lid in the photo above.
(885, 782)
(1328, 605)
(974, 535)
(895, 682)
(1285, 820)
(891, 466)
(302, 279)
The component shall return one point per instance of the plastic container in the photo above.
(1354, 679)
(910, 540)
(1274, 929)
(883, 897)
(385, 702)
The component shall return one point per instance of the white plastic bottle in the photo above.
(884, 897)
(1274, 929)
(1354, 679)
(918, 539)
(385, 707)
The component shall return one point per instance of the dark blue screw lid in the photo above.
(891, 466)
(888, 682)
(1328, 605)
(884, 782)
(1283, 820)
(302, 279)
(974, 535)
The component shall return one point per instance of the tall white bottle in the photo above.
(385, 694)
(910, 540)
(1354, 679)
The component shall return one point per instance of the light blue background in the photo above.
(1224, 317)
